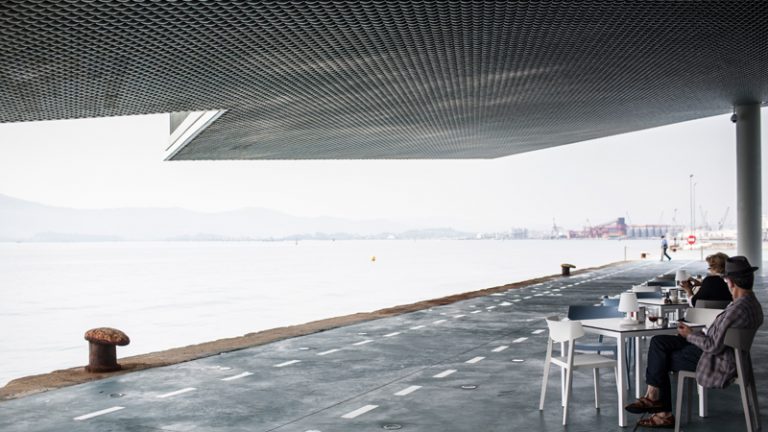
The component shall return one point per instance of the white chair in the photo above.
(712, 304)
(741, 342)
(566, 332)
(707, 317)
(702, 315)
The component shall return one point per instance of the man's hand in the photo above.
(683, 330)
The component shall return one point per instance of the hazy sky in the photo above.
(116, 162)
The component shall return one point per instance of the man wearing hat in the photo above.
(704, 352)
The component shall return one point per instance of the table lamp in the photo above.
(628, 304)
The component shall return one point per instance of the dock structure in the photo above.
(473, 365)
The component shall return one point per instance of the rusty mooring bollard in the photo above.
(102, 355)
(566, 269)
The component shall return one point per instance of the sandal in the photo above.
(657, 421)
(644, 405)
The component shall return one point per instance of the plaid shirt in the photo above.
(717, 365)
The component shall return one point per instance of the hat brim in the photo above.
(742, 272)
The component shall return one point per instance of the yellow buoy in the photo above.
(373, 258)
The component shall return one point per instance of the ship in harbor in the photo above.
(619, 229)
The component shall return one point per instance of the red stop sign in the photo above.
(691, 239)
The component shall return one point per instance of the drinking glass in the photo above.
(653, 317)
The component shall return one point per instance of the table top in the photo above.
(616, 325)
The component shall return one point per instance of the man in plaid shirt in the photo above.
(706, 353)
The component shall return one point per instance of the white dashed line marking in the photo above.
(417, 327)
(520, 339)
(539, 331)
(98, 413)
(439, 321)
(242, 375)
(359, 411)
(527, 297)
(491, 307)
(328, 352)
(289, 362)
(500, 349)
(363, 342)
(407, 391)
(392, 334)
(475, 360)
(477, 311)
(459, 316)
(445, 373)
(177, 392)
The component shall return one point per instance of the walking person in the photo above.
(706, 353)
(664, 246)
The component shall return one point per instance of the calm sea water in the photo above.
(173, 294)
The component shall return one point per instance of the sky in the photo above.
(643, 176)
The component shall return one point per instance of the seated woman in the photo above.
(713, 286)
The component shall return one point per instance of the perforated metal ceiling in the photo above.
(421, 79)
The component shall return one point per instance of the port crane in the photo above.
(721, 222)
(704, 223)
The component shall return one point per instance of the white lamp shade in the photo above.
(628, 302)
(682, 275)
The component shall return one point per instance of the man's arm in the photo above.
(713, 341)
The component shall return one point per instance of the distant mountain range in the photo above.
(27, 221)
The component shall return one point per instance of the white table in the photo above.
(613, 327)
(666, 308)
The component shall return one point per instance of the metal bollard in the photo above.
(102, 356)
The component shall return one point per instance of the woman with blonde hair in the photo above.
(713, 287)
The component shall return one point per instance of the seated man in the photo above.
(714, 363)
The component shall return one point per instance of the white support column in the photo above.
(748, 184)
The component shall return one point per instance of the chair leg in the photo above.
(755, 404)
(679, 401)
(562, 376)
(596, 380)
(568, 382)
(745, 405)
(544, 385)
(742, 381)
(703, 404)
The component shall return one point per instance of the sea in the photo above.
(173, 294)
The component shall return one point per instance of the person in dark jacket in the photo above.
(713, 287)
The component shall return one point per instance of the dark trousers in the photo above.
(669, 353)
(665, 254)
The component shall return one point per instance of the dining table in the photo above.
(619, 329)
